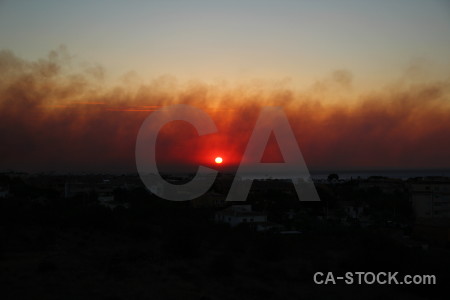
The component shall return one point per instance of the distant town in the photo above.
(419, 206)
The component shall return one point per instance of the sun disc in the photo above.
(218, 160)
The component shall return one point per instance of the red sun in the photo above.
(218, 160)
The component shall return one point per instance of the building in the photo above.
(430, 197)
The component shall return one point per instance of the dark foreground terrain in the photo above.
(57, 248)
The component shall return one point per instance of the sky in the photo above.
(236, 40)
(365, 84)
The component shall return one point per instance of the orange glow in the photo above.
(403, 126)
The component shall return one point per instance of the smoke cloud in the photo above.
(57, 116)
